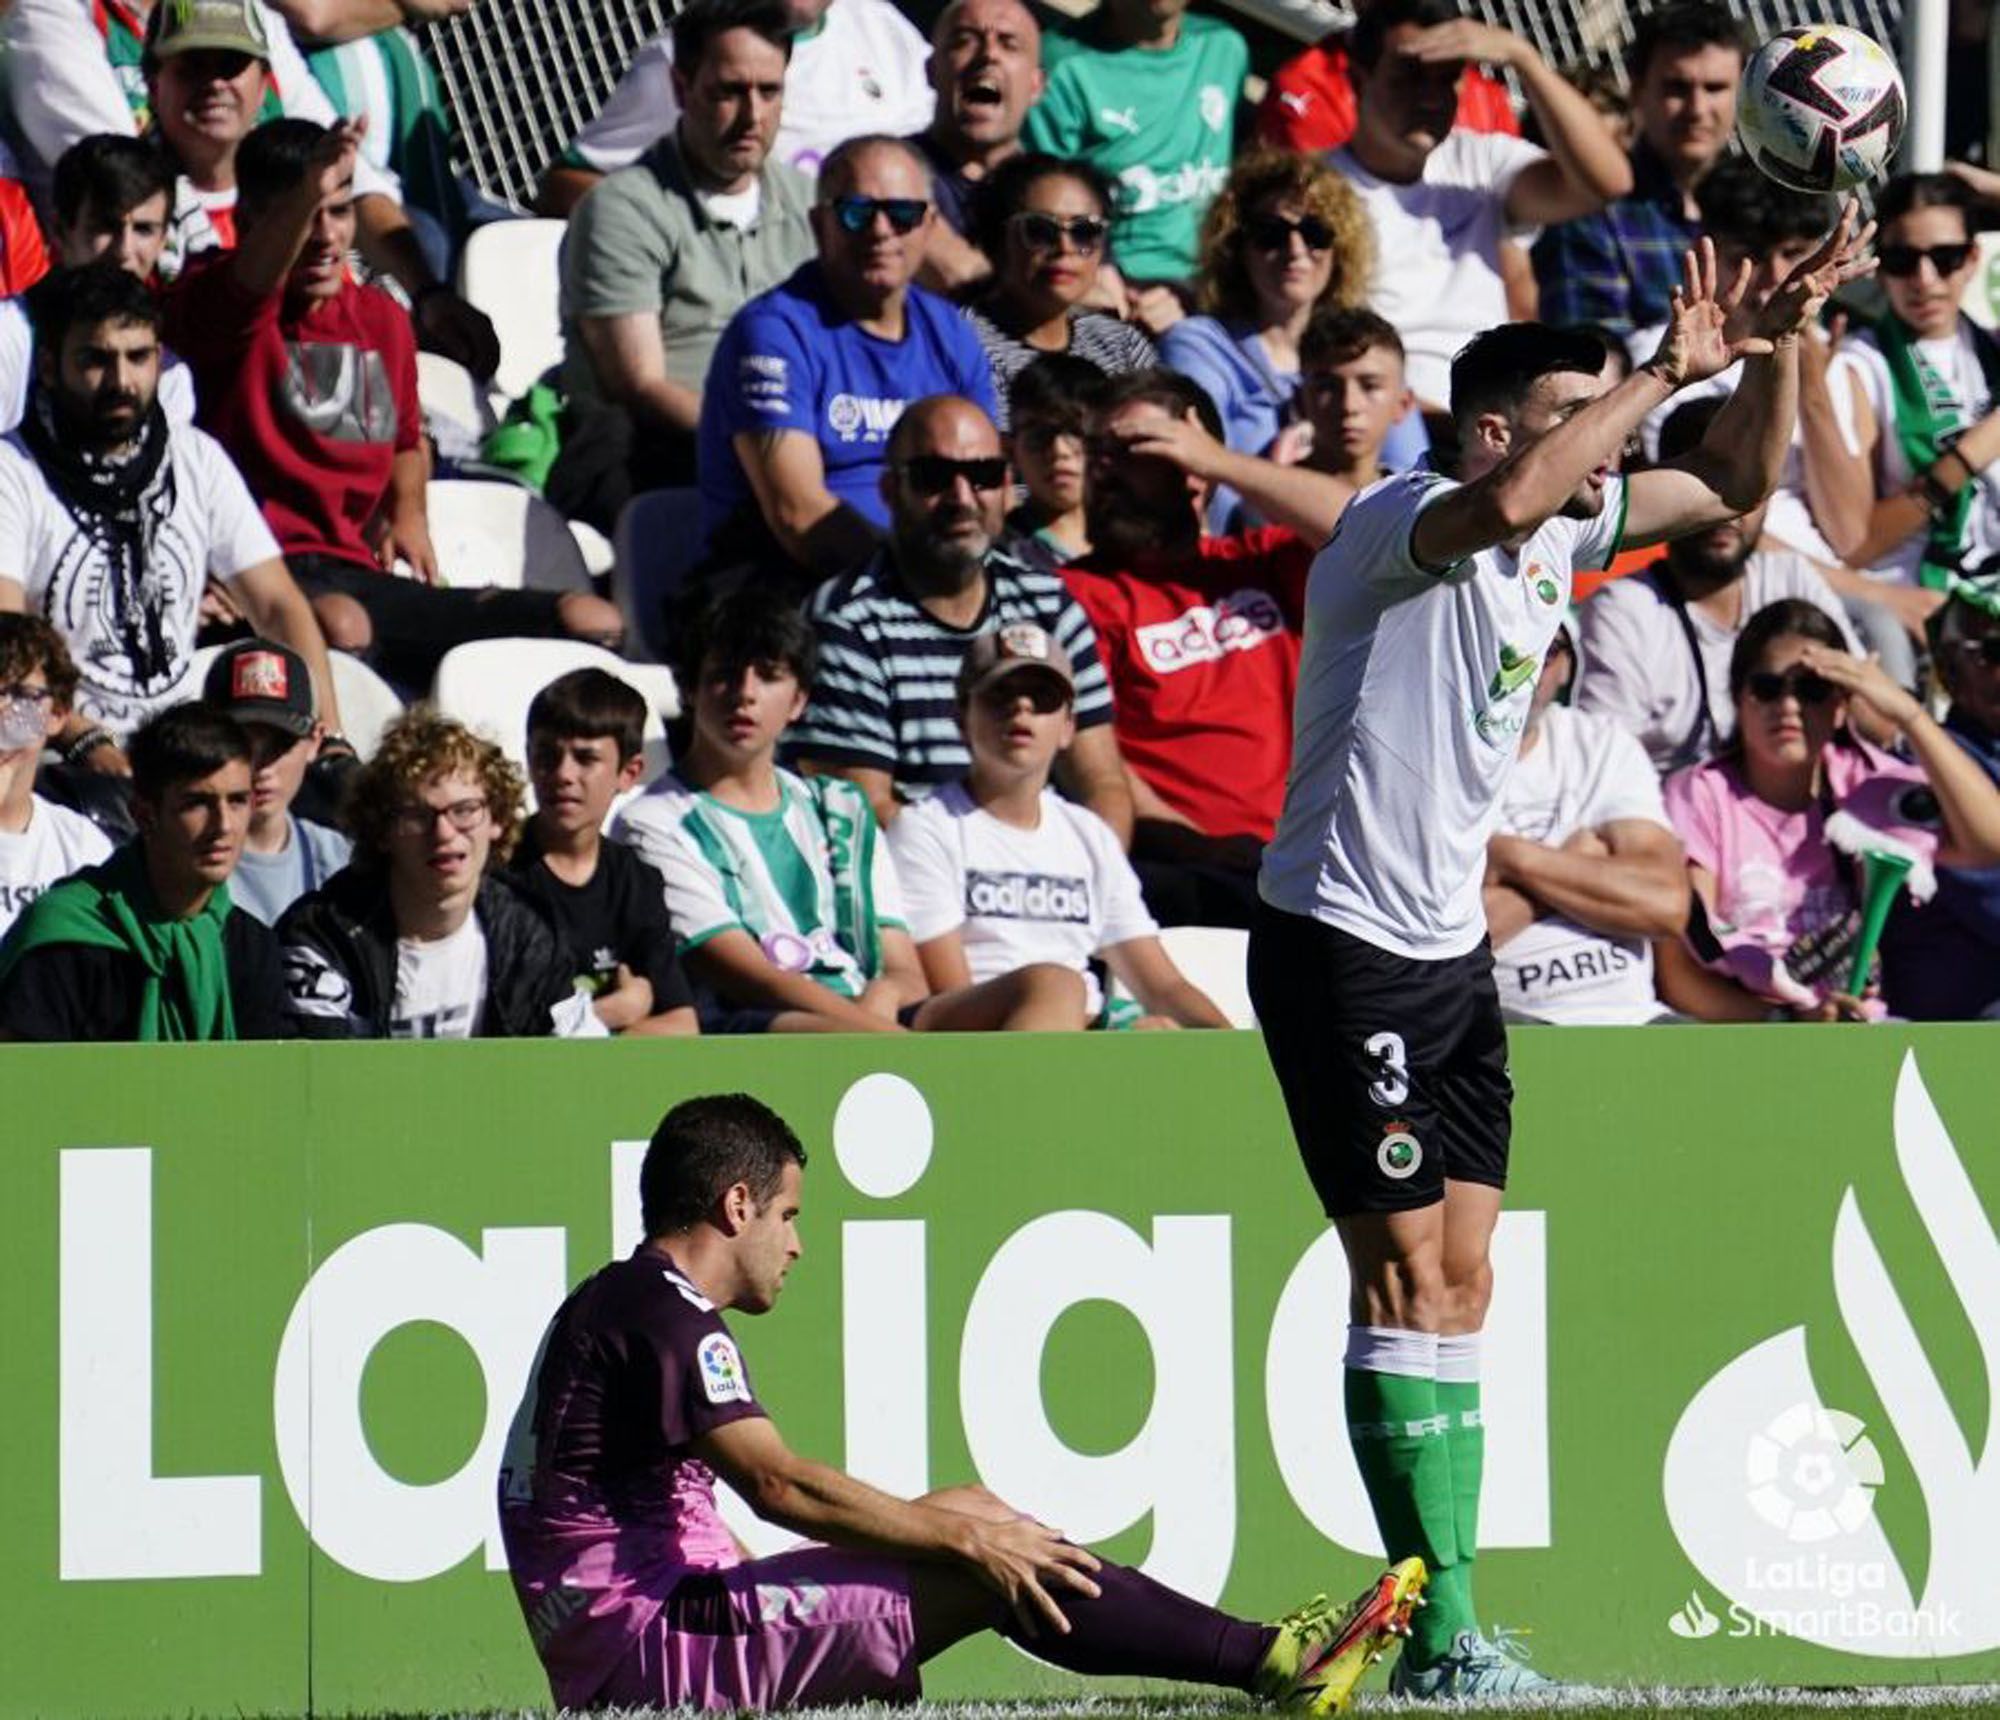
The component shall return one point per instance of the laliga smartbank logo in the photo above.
(1798, 1549)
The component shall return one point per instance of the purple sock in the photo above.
(1143, 1629)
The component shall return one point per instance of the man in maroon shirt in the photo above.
(1199, 635)
(633, 1588)
(310, 381)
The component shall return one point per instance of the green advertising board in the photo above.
(272, 1307)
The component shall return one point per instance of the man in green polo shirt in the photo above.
(662, 253)
(1147, 92)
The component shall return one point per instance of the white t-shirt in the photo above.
(1414, 688)
(1061, 893)
(1583, 773)
(1639, 672)
(441, 991)
(1437, 248)
(1859, 365)
(862, 71)
(134, 650)
(1788, 516)
(56, 843)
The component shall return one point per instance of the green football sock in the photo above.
(1465, 1441)
(1398, 1435)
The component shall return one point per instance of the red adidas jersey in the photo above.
(1203, 656)
(1310, 104)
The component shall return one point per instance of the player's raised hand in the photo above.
(1696, 343)
(1022, 1560)
(330, 168)
(1842, 257)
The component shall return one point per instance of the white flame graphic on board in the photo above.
(1694, 1619)
(1793, 1540)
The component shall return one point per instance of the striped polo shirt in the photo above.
(888, 669)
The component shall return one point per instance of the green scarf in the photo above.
(111, 907)
(1927, 416)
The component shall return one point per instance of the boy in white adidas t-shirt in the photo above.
(1003, 877)
(40, 843)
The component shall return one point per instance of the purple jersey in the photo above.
(602, 1507)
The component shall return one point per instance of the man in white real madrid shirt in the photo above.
(1427, 614)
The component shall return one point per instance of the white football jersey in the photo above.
(1414, 688)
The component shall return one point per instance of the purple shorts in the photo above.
(806, 1628)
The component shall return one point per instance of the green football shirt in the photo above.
(1161, 124)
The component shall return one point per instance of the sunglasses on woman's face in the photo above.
(1039, 232)
(1903, 261)
(1767, 687)
(857, 214)
(1274, 232)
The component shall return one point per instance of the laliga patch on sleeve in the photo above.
(722, 1377)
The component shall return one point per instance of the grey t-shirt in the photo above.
(267, 884)
(643, 241)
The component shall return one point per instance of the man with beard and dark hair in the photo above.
(893, 633)
(1199, 635)
(1656, 644)
(112, 517)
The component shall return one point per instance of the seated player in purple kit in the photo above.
(633, 1588)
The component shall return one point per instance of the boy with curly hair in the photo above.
(424, 935)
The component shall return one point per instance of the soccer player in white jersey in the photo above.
(1427, 614)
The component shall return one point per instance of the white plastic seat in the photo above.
(1214, 958)
(446, 387)
(488, 533)
(510, 270)
(657, 543)
(489, 684)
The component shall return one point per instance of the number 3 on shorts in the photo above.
(1392, 1086)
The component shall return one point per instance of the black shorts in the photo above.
(1394, 1070)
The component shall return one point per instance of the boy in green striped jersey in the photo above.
(781, 886)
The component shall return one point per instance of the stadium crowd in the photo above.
(1010, 382)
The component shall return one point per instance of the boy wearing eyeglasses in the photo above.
(423, 935)
(40, 842)
(810, 378)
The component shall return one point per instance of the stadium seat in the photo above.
(509, 270)
(368, 704)
(488, 533)
(445, 387)
(489, 685)
(1213, 958)
(657, 544)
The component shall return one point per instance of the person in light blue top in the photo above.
(1286, 237)
(810, 378)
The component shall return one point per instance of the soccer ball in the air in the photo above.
(1821, 108)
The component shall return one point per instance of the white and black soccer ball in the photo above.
(1821, 108)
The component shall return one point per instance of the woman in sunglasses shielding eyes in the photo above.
(1046, 225)
(1901, 473)
(1285, 237)
(1778, 825)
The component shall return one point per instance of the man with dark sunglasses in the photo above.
(811, 377)
(1907, 494)
(894, 632)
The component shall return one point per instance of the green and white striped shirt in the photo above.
(812, 881)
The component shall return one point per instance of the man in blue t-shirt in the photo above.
(810, 377)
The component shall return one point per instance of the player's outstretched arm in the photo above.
(1026, 1563)
(1738, 463)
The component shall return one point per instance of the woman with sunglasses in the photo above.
(1902, 442)
(1775, 827)
(1285, 236)
(1045, 224)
